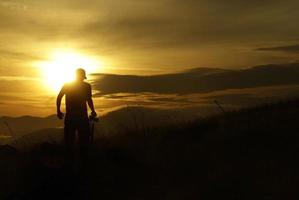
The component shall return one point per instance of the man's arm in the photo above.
(91, 106)
(58, 103)
(90, 103)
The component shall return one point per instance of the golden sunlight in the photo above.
(61, 67)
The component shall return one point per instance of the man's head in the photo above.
(80, 74)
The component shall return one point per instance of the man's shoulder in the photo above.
(65, 86)
(74, 86)
(86, 84)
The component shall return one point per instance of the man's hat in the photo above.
(81, 72)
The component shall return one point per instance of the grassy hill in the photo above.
(249, 154)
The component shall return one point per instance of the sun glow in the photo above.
(61, 67)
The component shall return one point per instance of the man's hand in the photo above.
(93, 113)
(60, 115)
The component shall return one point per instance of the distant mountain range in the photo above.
(23, 125)
(199, 80)
(30, 130)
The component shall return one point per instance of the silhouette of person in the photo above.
(77, 94)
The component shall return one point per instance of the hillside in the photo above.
(249, 154)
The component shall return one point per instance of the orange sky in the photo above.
(138, 37)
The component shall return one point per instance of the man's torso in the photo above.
(76, 95)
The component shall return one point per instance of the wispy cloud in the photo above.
(288, 48)
(19, 78)
(13, 4)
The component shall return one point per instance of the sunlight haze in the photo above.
(43, 42)
(61, 66)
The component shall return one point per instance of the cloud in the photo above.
(165, 34)
(159, 24)
(288, 48)
(199, 81)
(13, 5)
(24, 56)
(231, 98)
(193, 23)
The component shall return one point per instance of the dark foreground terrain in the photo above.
(249, 154)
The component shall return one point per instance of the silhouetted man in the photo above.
(77, 94)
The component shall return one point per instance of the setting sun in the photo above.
(61, 66)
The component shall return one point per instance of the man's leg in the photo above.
(84, 134)
(69, 140)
